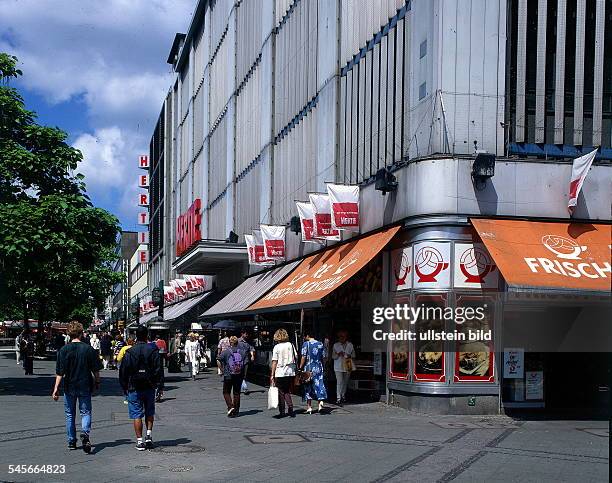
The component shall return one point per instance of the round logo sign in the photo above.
(565, 248)
(428, 264)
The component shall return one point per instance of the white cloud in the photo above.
(110, 54)
(102, 153)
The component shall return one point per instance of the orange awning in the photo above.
(541, 255)
(319, 274)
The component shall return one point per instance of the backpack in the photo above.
(143, 376)
(235, 362)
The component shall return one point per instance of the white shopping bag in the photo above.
(273, 397)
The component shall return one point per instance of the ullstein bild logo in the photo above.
(568, 262)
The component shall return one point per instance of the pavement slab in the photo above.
(195, 441)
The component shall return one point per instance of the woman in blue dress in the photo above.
(313, 353)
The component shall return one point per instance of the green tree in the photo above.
(56, 248)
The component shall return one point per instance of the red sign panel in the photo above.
(188, 228)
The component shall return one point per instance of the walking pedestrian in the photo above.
(106, 349)
(78, 366)
(313, 353)
(192, 354)
(231, 365)
(139, 375)
(174, 365)
(124, 349)
(284, 364)
(18, 348)
(250, 350)
(342, 354)
(119, 344)
(27, 349)
(95, 343)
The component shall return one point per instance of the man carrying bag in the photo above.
(140, 374)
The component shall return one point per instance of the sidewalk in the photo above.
(195, 441)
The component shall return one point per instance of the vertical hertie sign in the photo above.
(143, 216)
(306, 213)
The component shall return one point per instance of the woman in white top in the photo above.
(284, 360)
(95, 343)
(192, 354)
(342, 354)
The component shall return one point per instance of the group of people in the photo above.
(288, 369)
(141, 376)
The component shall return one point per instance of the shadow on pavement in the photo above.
(250, 412)
(43, 386)
(110, 444)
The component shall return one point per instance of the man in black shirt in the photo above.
(78, 365)
(140, 374)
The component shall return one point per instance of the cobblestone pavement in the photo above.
(195, 440)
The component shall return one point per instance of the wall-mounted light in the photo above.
(385, 181)
(483, 168)
(294, 225)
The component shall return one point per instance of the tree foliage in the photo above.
(56, 248)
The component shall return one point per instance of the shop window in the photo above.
(429, 354)
(400, 350)
(474, 359)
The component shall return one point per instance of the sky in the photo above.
(97, 69)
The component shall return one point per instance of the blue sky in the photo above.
(97, 69)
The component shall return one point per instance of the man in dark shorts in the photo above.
(78, 365)
(231, 363)
(140, 374)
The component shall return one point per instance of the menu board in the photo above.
(534, 385)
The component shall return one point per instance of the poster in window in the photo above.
(474, 267)
(514, 363)
(474, 359)
(431, 265)
(401, 269)
(534, 385)
(400, 351)
(429, 354)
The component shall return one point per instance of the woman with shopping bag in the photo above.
(311, 365)
(284, 364)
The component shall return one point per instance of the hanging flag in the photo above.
(169, 293)
(322, 226)
(177, 288)
(274, 241)
(190, 283)
(344, 203)
(250, 243)
(306, 220)
(580, 168)
(259, 251)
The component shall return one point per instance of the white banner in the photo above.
(322, 225)
(401, 269)
(274, 241)
(169, 293)
(344, 203)
(259, 251)
(474, 267)
(307, 221)
(580, 169)
(431, 265)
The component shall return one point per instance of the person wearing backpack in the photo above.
(140, 374)
(231, 363)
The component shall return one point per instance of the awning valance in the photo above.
(318, 275)
(239, 299)
(550, 256)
